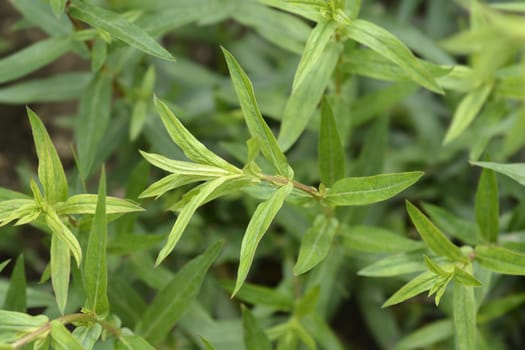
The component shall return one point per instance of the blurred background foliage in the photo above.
(385, 126)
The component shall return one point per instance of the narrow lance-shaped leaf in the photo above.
(487, 205)
(93, 119)
(182, 167)
(59, 229)
(15, 297)
(254, 336)
(371, 189)
(58, 6)
(86, 204)
(466, 111)
(95, 262)
(315, 244)
(132, 342)
(331, 155)
(50, 171)
(171, 302)
(377, 240)
(464, 310)
(515, 171)
(192, 148)
(205, 190)
(253, 118)
(257, 227)
(387, 45)
(416, 286)
(60, 265)
(500, 260)
(3, 264)
(433, 237)
(119, 27)
(304, 99)
(33, 57)
(87, 336)
(427, 335)
(62, 339)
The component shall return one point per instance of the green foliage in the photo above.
(293, 150)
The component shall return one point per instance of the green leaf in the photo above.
(487, 205)
(95, 263)
(306, 305)
(207, 344)
(19, 320)
(427, 335)
(331, 154)
(315, 244)
(305, 98)
(192, 148)
(58, 6)
(253, 118)
(60, 264)
(416, 286)
(50, 171)
(254, 336)
(500, 260)
(515, 171)
(377, 240)
(39, 13)
(370, 189)
(394, 265)
(257, 227)
(14, 209)
(87, 336)
(33, 57)
(86, 204)
(387, 45)
(62, 339)
(62, 231)
(259, 295)
(171, 182)
(499, 307)
(432, 266)
(182, 167)
(464, 310)
(60, 87)
(204, 191)
(467, 110)
(171, 302)
(133, 342)
(119, 27)
(15, 297)
(465, 278)
(99, 53)
(433, 237)
(3, 264)
(92, 121)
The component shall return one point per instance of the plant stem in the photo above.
(280, 180)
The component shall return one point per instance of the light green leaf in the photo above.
(377, 240)
(207, 344)
(515, 171)
(93, 119)
(516, 6)
(433, 237)
(171, 302)
(87, 336)
(500, 260)
(467, 110)
(39, 13)
(58, 6)
(192, 148)
(60, 264)
(319, 37)
(303, 335)
(306, 305)
(33, 57)
(119, 27)
(19, 320)
(14, 209)
(305, 98)
(15, 297)
(62, 231)
(99, 52)
(465, 278)
(370, 189)
(86, 204)
(315, 244)
(394, 265)
(499, 307)
(60, 87)
(3, 264)
(464, 310)
(254, 336)
(253, 118)
(95, 263)
(331, 154)
(310, 10)
(259, 295)
(169, 183)
(50, 171)
(130, 341)
(416, 286)
(427, 335)
(204, 191)
(387, 45)
(487, 205)
(257, 227)
(432, 266)
(62, 339)
(182, 167)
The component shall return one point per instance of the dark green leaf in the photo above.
(259, 295)
(371, 189)
(427, 335)
(254, 336)
(487, 205)
(119, 27)
(171, 302)
(499, 307)
(15, 298)
(331, 155)
(500, 260)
